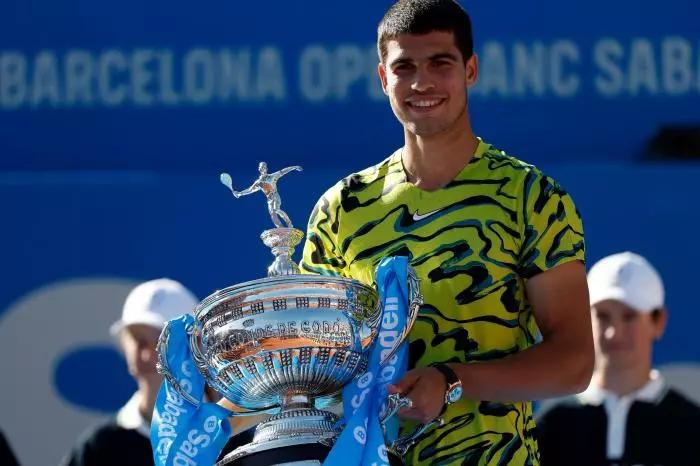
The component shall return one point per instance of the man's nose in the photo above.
(611, 332)
(422, 82)
(147, 353)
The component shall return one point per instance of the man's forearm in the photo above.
(552, 368)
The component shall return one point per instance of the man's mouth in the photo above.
(616, 348)
(424, 104)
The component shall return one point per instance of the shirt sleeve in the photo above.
(321, 249)
(551, 226)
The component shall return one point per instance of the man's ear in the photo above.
(381, 71)
(472, 70)
(660, 318)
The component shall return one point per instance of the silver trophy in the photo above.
(287, 344)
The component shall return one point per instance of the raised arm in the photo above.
(284, 171)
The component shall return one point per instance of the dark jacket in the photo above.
(664, 431)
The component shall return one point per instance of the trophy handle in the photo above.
(394, 403)
(194, 330)
(163, 368)
(402, 444)
(415, 301)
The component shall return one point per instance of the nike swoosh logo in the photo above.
(418, 217)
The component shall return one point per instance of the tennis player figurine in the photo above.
(267, 183)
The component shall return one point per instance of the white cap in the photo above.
(629, 278)
(154, 303)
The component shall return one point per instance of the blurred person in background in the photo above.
(628, 415)
(125, 439)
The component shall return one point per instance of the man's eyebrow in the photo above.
(434, 57)
(442, 56)
(401, 61)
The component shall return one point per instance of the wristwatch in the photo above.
(454, 385)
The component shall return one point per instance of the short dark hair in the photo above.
(422, 17)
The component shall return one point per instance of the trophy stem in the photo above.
(297, 401)
(282, 242)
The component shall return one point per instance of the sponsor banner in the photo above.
(221, 84)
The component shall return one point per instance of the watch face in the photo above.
(454, 394)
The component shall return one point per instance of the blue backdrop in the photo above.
(173, 86)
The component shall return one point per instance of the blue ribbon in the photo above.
(183, 433)
(362, 441)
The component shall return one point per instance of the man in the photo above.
(126, 438)
(628, 415)
(497, 245)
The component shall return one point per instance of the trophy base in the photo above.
(298, 436)
(305, 454)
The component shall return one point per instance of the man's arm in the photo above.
(561, 364)
(284, 171)
(253, 188)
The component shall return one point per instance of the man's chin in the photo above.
(425, 129)
(151, 378)
(620, 359)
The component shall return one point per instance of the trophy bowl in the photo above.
(267, 342)
(287, 345)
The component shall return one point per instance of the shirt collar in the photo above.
(397, 158)
(129, 416)
(651, 392)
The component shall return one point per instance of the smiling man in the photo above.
(498, 247)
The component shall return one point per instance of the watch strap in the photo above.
(451, 380)
(450, 375)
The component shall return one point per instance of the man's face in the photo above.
(139, 345)
(426, 80)
(624, 337)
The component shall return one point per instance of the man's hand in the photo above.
(425, 387)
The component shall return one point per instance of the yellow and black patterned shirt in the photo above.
(473, 244)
